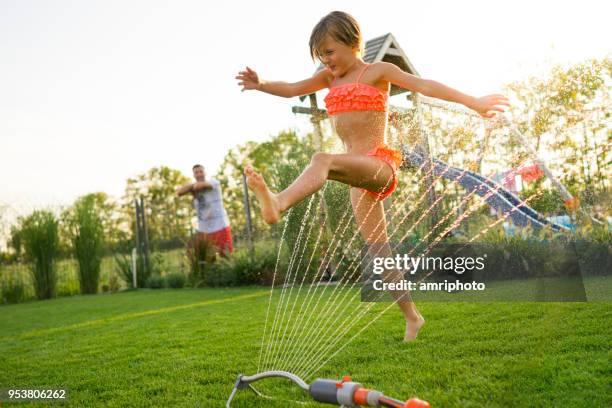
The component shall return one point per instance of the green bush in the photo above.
(596, 233)
(218, 274)
(544, 254)
(124, 270)
(595, 257)
(241, 268)
(155, 282)
(86, 233)
(158, 264)
(144, 269)
(247, 269)
(175, 280)
(13, 291)
(40, 240)
(113, 283)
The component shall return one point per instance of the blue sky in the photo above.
(94, 92)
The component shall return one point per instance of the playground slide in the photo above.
(501, 199)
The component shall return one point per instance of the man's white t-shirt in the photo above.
(208, 204)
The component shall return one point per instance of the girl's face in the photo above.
(337, 56)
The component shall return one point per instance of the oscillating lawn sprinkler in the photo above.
(344, 393)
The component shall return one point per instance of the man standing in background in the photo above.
(213, 223)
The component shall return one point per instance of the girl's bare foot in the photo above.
(270, 208)
(412, 327)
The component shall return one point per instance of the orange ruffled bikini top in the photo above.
(355, 97)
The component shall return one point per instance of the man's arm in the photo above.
(201, 185)
(485, 105)
(193, 187)
(187, 188)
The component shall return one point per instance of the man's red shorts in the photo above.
(222, 239)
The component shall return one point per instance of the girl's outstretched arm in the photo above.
(486, 106)
(250, 80)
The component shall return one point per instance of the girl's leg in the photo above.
(353, 169)
(370, 217)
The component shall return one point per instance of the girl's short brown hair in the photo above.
(341, 26)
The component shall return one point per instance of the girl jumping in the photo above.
(357, 104)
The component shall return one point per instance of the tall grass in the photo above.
(123, 263)
(158, 265)
(40, 238)
(12, 288)
(86, 233)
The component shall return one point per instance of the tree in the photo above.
(115, 224)
(568, 114)
(15, 240)
(168, 216)
(85, 229)
(280, 160)
(40, 236)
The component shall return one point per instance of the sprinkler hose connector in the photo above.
(352, 394)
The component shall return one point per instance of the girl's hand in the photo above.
(248, 79)
(487, 106)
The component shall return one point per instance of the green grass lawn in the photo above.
(186, 347)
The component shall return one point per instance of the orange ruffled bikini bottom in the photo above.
(394, 159)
